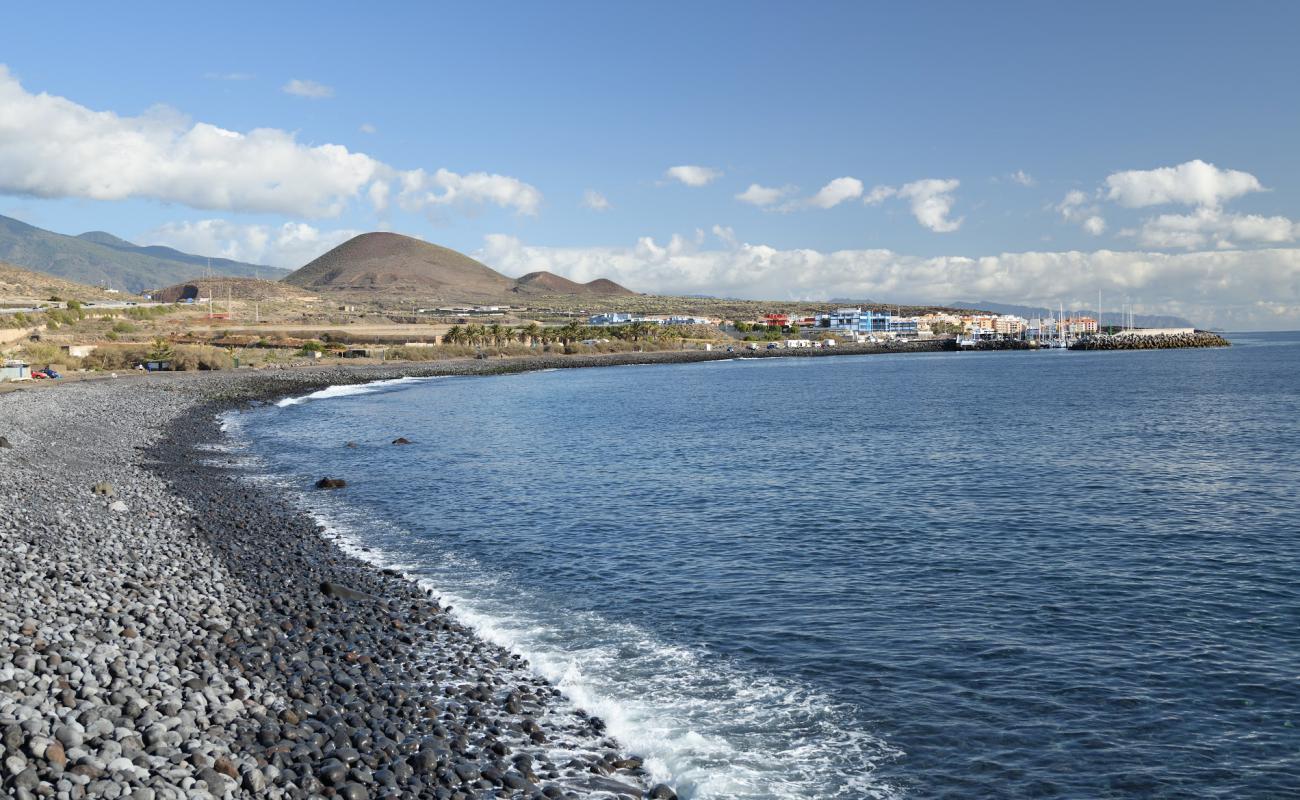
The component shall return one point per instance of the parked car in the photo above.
(772, 346)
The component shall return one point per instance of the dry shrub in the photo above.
(188, 358)
(113, 357)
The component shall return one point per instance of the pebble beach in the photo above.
(170, 631)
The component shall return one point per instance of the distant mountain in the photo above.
(390, 264)
(1108, 318)
(102, 259)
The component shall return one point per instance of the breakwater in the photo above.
(1140, 341)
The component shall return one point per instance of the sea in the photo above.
(941, 575)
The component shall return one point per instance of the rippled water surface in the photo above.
(967, 575)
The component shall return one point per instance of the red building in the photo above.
(776, 319)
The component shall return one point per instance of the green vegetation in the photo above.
(497, 335)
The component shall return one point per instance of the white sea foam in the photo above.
(708, 727)
(347, 390)
(704, 724)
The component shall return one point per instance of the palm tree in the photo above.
(496, 332)
(531, 332)
(454, 335)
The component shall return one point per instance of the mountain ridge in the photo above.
(98, 258)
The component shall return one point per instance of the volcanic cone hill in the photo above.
(548, 283)
(393, 264)
(389, 263)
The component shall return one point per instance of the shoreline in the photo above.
(244, 640)
(177, 631)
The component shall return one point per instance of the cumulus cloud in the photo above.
(1209, 287)
(879, 194)
(1078, 207)
(1194, 183)
(761, 196)
(53, 147)
(836, 192)
(290, 245)
(931, 201)
(1213, 226)
(1023, 178)
(421, 190)
(310, 89)
(594, 200)
(693, 175)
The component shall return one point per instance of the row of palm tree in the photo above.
(498, 335)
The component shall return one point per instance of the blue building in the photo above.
(857, 321)
(900, 326)
(610, 319)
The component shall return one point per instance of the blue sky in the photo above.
(967, 126)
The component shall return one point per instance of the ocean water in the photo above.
(927, 575)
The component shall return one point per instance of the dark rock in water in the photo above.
(661, 792)
(331, 483)
(401, 440)
(4, 443)
(344, 593)
(350, 444)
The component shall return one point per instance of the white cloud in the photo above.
(932, 202)
(1212, 226)
(693, 175)
(366, 127)
(421, 190)
(879, 194)
(310, 89)
(53, 147)
(1194, 183)
(378, 194)
(836, 192)
(1023, 178)
(290, 245)
(757, 195)
(1210, 287)
(1076, 207)
(595, 200)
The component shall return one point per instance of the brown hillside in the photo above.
(548, 283)
(233, 288)
(18, 285)
(389, 263)
(606, 287)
